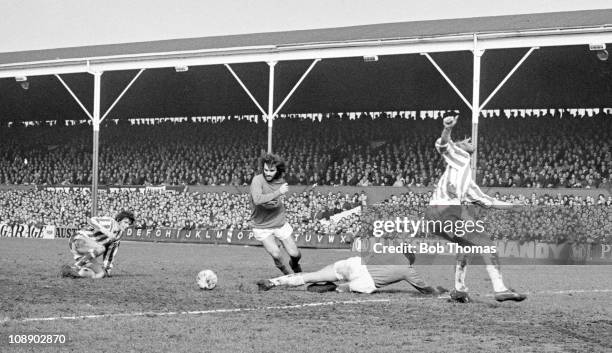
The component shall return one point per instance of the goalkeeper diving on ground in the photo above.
(360, 274)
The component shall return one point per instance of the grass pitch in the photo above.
(152, 304)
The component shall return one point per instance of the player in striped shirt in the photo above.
(101, 239)
(455, 188)
(268, 218)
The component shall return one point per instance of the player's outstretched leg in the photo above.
(415, 280)
(292, 280)
(327, 274)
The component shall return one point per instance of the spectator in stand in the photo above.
(524, 153)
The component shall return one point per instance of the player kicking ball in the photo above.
(102, 239)
(356, 274)
(455, 188)
(268, 214)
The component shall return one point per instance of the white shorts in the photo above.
(82, 244)
(353, 271)
(281, 233)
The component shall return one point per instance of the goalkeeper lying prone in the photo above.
(357, 274)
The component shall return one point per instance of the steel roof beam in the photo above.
(447, 43)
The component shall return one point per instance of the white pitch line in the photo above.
(201, 312)
(283, 307)
(568, 291)
(572, 291)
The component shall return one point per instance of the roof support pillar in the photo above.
(270, 114)
(475, 105)
(96, 120)
(96, 134)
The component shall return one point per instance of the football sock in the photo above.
(460, 271)
(291, 280)
(496, 278)
(281, 266)
(294, 263)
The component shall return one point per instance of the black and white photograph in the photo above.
(305, 176)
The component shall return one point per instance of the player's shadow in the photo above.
(404, 292)
(118, 275)
(408, 292)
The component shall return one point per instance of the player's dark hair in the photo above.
(275, 160)
(123, 215)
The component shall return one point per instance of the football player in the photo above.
(268, 213)
(101, 239)
(360, 274)
(454, 188)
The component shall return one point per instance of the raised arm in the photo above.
(449, 122)
(502, 205)
(475, 195)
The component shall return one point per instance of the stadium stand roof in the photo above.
(544, 29)
(342, 82)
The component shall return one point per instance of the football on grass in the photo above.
(207, 279)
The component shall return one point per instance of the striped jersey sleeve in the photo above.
(108, 223)
(453, 156)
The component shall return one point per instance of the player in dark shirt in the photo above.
(268, 215)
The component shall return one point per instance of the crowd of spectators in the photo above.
(545, 151)
(186, 210)
(548, 218)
